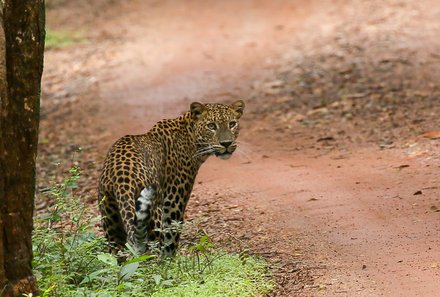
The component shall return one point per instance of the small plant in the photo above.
(64, 244)
(199, 258)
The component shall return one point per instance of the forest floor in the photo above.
(337, 179)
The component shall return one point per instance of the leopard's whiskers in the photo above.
(243, 150)
(203, 151)
(244, 147)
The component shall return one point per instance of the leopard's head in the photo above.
(216, 127)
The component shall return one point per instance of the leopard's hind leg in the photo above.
(112, 223)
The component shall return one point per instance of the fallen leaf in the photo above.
(416, 154)
(435, 208)
(431, 135)
(273, 87)
(298, 118)
(402, 166)
(317, 111)
(357, 95)
(326, 138)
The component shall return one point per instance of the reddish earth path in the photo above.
(350, 216)
(355, 216)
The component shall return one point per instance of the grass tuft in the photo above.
(59, 39)
(228, 276)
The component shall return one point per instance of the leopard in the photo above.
(146, 180)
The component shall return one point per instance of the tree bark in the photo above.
(21, 63)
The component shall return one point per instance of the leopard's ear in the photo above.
(238, 106)
(196, 110)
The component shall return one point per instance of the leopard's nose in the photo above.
(226, 144)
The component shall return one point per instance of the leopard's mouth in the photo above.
(225, 153)
(224, 156)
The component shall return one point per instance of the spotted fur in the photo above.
(147, 179)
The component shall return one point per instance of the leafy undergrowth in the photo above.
(70, 260)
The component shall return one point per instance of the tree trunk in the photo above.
(21, 63)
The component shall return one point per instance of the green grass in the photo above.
(70, 260)
(228, 276)
(58, 39)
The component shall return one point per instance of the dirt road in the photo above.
(349, 220)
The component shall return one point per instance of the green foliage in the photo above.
(70, 260)
(57, 39)
(64, 244)
(222, 274)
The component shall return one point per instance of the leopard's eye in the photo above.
(212, 126)
(232, 124)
